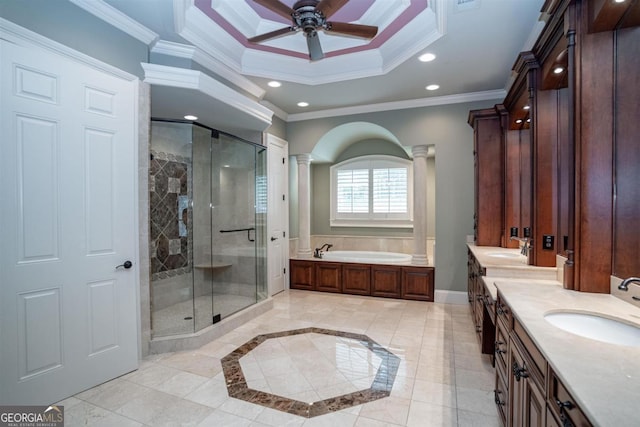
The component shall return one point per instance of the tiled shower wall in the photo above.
(169, 244)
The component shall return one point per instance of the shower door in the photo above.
(238, 229)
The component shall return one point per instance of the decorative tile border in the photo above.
(380, 387)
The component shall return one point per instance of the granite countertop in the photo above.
(604, 379)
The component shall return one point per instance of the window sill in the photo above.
(371, 224)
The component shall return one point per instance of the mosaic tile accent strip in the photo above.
(380, 386)
(169, 185)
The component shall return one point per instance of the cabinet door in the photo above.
(328, 277)
(534, 405)
(385, 281)
(302, 274)
(356, 279)
(516, 387)
(417, 283)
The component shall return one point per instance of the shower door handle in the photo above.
(273, 238)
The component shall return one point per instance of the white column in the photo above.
(419, 204)
(304, 206)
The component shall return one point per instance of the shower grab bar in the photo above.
(248, 230)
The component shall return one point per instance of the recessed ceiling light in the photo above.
(620, 1)
(526, 107)
(519, 121)
(426, 57)
(303, 104)
(274, 83)
(432, 87)
(558, 70)
(190, 117)
(226, 166)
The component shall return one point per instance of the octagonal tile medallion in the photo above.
(311, 371)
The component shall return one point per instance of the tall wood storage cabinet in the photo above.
(488, 151)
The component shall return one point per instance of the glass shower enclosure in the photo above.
(208, 208)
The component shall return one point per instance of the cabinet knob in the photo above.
(565, 406)
(496, 398)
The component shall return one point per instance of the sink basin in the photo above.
(596, 327)
(513, 255)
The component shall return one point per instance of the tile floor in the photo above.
(442, 379)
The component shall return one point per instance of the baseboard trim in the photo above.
(451, 297)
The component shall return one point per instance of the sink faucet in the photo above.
(525, 248)
(624, 286)
(318, 251)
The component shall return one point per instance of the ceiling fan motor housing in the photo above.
(307, 17)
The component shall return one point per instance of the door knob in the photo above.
(274, 238)
(127, 264)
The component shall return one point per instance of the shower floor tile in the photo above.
(311, 348)
(178, 318)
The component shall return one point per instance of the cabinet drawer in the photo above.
(537, 364)
(501, 350)
(562, 405)
(503, 314)
(501, 399)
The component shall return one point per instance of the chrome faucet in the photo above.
(317, 253)
(525, 248)
(624, 286)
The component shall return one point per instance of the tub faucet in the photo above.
(624, 286)
(525, 248)
(318, 252)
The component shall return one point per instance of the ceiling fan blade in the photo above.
(271, 35)
(356, 30)
(313, 43)
(329, 7)
(277, 7)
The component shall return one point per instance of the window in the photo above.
(372, 191)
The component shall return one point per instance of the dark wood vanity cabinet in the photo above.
(528, 392)
(388, 281)
(488, 152)
(482, 306)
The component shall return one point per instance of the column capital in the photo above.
(420, 150)
(303, 159)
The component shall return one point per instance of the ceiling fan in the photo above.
(311, 16)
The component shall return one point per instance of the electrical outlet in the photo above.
(527, 232)
(513, 232)
(547, 241)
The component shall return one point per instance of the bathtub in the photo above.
(367, 257)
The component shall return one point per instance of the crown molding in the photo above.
(195, 54)
(24, 37)
(277, 111)
(176, 77)
(113, 16)
(400, 105)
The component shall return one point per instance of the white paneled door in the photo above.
(278, 213)
(68, 315)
